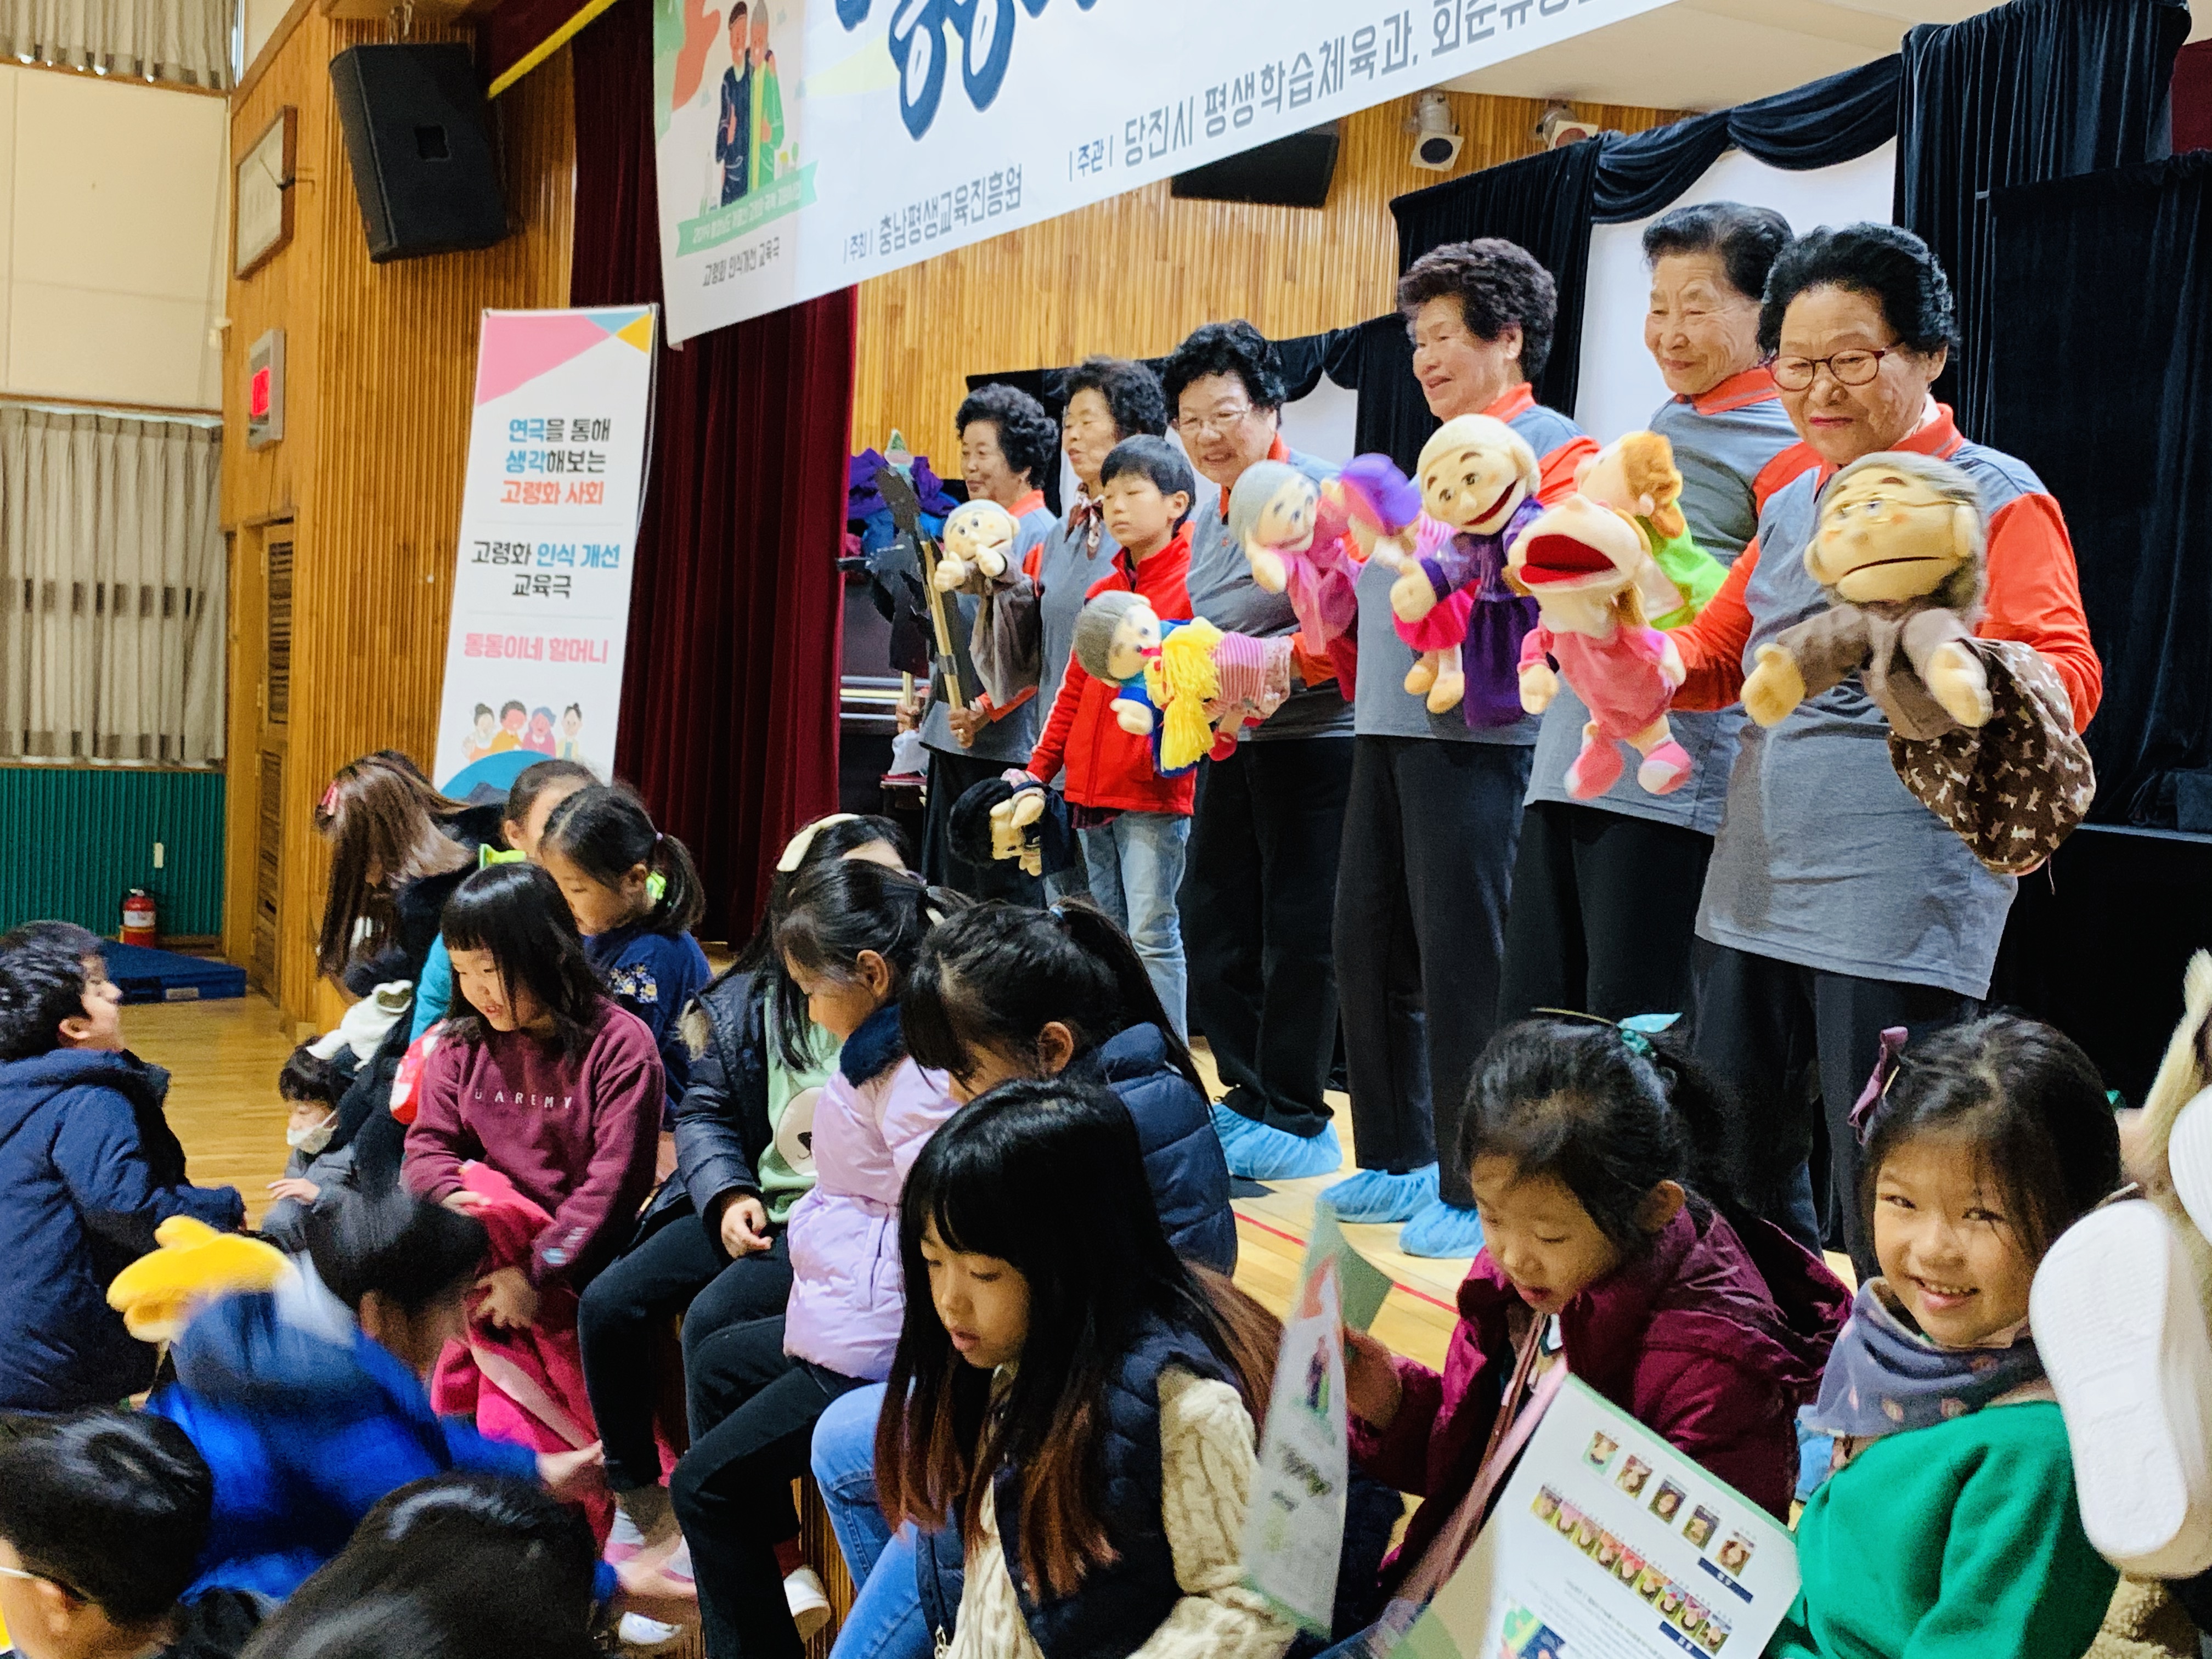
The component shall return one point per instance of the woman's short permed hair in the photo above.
(1497, 284)
(1887, 263)
(1028, 437)
(1747, 240)
(1132, 392)
(1235, 349)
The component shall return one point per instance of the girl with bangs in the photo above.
(1082, 1401)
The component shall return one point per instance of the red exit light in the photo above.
(257, 397)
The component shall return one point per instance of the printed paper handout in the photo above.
(1294, 1528)
(1607, 1543)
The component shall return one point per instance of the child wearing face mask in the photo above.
(849, 940)
(636, 895)
(1050, 1288)
(1950, 1526)
(1612, 1241)
(314, 1170)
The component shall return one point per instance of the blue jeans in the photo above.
(1135, 865)
(886, 1621)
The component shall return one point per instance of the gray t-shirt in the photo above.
(1008, 739)
(1384, 709)
(1065, 570)
(1824, 858)
(1223, 592)
(1724, 456)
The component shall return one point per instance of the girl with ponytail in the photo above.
(636, 895)
(1001, 992)
(1612, 1240)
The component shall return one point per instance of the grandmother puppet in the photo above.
(1981, 730)
(976, 556)
(1479, 480)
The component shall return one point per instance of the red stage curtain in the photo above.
(729, 722)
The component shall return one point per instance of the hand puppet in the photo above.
(1185, 684)
(1477, 481)
(977, 557)
(1636, 474)
(194, 1264)
(977, 548)
(1981, 730)
(1587, 566)
(996, 821)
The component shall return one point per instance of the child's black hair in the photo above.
(1577, 1100)
(306, 1076)
(998, 974)
(606, 831)
(79, 942)
(535, 779)
(2027, 1101)
(466, 1565)
(516, 912)
(412, 1252)
(1049, 1178)
(1157, 459)
(113, 1506)
(789, 1029)
(41, 985)
(843, 907)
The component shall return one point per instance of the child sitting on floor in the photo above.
(1597, 1174)
(102, 1519)
(1951, 1528)
(88, 1168)
(310, 1087)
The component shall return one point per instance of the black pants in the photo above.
(1261, 878)
(1794, 1046)
(733, 1490)
(1429, 835)
(952, 776)
(676, 1270)
(1604, 906)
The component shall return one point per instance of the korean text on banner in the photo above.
(805, 144)
(1294, 1527)
(548, 528)
(1609, 1541)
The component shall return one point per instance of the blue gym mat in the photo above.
(150, 976)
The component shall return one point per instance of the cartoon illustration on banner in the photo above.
(549, 522)
(803, 145)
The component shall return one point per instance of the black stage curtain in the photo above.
(2105, 389)
(2034, 90)
(1818, 125)
(1542, 203)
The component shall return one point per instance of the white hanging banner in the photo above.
(549, 531)
(805, 144)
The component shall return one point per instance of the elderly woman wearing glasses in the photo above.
(1836, 904)
(1264, 832)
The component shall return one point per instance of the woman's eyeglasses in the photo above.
(1844, 367)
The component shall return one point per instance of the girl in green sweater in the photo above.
(1949, 1528)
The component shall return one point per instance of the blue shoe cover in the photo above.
(1441, 1232)
(1261, 1153)
(1375, 1195)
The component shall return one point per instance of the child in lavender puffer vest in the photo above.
(850, 937)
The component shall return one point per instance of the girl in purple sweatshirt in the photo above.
(850, 938)
(543, 1078)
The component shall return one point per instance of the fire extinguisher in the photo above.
(139, 917)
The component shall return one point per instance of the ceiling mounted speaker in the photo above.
(1437, 141)
(1561, 126)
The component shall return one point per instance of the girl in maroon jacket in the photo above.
(541, 1077)
(1710, 1328)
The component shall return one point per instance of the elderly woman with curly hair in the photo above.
(1836, 904)
(1008, 444)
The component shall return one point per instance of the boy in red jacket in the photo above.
(1134, 823)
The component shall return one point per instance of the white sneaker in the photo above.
(809, 1601)
(2189, 1159)
(2121, 1332)
(647, 1635)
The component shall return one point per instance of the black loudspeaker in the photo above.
(419, 138)
(1292, 171)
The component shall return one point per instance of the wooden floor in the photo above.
(223, 1058)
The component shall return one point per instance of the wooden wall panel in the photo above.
(1133, 274)
(380, 362)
